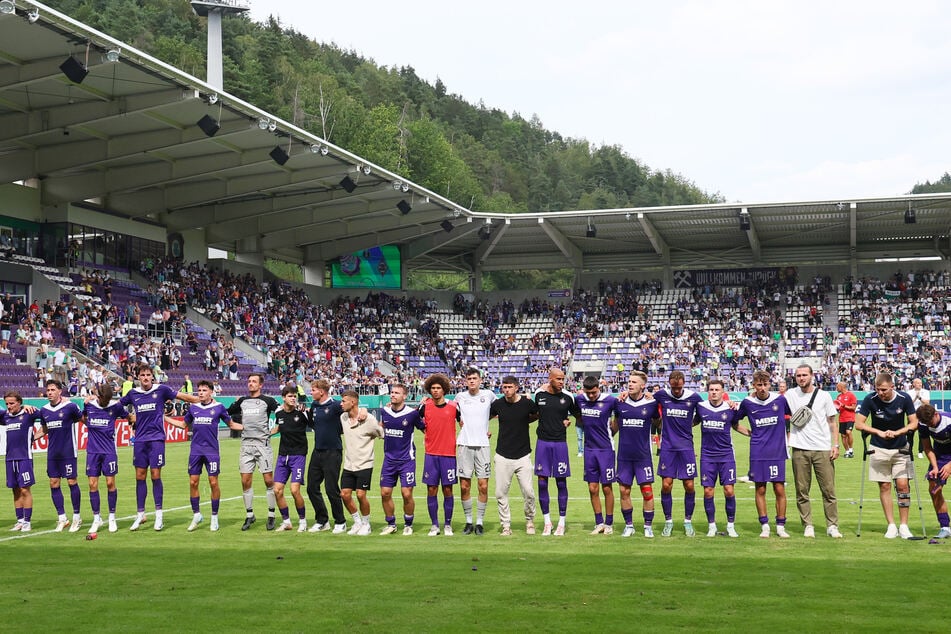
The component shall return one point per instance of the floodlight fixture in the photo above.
(33, 16)
(263, 123)
(113, 54)
(7, 7)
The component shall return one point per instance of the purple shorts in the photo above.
(439, 470)
(768, 470)
(713, 470)
(62, 468)
(942, 460)
(679, 465)
(402, 471)
(20, 474)
(642, 470)
(98, 464)
(290, 468)
(210, 461)
(551, 459)
(149, 454)
(599, 466)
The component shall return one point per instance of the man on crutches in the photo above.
(891, 415)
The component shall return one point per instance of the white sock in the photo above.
(271, 501)
(480, 511)
(112, 516)
(356, 517)
(248, 496)
(561, 520)
(76, 517)
(365, 519)
(547, 518)
(467, 509)
(158, 515)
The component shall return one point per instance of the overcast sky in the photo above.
(759, 100)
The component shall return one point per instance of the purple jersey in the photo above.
(398, 429)
(101, 427)
(716, 425)
(204, 420)
(19, 434)
(596, 420)
(149, 411)
(677, 415)
(940, 435)
(767, 426)
(634, 428)
(60, 421)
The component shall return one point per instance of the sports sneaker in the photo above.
(339, 528)
(849, 454)
(139, 520)
(920, 455)
(61, 523)
(479, 529)
(809, 531)
(96, 525)
(198, 519)
(407, 530)
(833, 532)
(214, 523)
(434, 531)
(284, 526)
(302, 526)
(649, 532)
(668, 528)
(608, 530)
(365, 529)
(447, 530)
(320, 528)
(731, 530)
(506, 531)
(159, 523)
(546, 532)
(581, 454)
(560, 530)
(529, 527)
(248, 521)
(904, 532)
(712, 530)
(389, 529)
(113, 525)
(17, 526)
(355, 528)
(891, 532)
(26, 527)
(944, 533)
(76, 524)
(271, 522)
(764, 532)
(781, 532)
(688, 529)
(598, 529)
(467, 529)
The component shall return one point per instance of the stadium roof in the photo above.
(127, 136)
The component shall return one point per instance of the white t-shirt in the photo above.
(474, 410)
(816, 434)
(919, 397)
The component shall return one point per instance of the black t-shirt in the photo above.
(513, 440)
(553, 409)
(293, 427)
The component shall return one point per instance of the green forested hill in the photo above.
(476, 155)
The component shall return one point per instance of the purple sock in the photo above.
(562, 484)
(27, 514)
(301, 512)
(780, 521)
(598, 519)
(667, 504)
(57, 495)
(408, 520)
(19, 513)
(194, 501)
(286, 513)
(544, 500)
(730, 508)
(710, 507)
(648, 518)
(158, 492)
(690, 503)
(111, 497)
(628, 516)
(215, 503)
(432, 503)
(94, 502)
(75, 496)
(140, 494)
(943, 520)
(609, 519)
(447, 505)
(390, 520)
(763, 519)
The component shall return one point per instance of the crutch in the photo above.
(865, 454)
(907, 450)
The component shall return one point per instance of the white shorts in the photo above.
(256, 454)
(473, 460)
(885, 465)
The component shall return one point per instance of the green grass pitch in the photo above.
(260, 581)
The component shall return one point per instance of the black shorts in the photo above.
(845, 428)
(356, 479)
